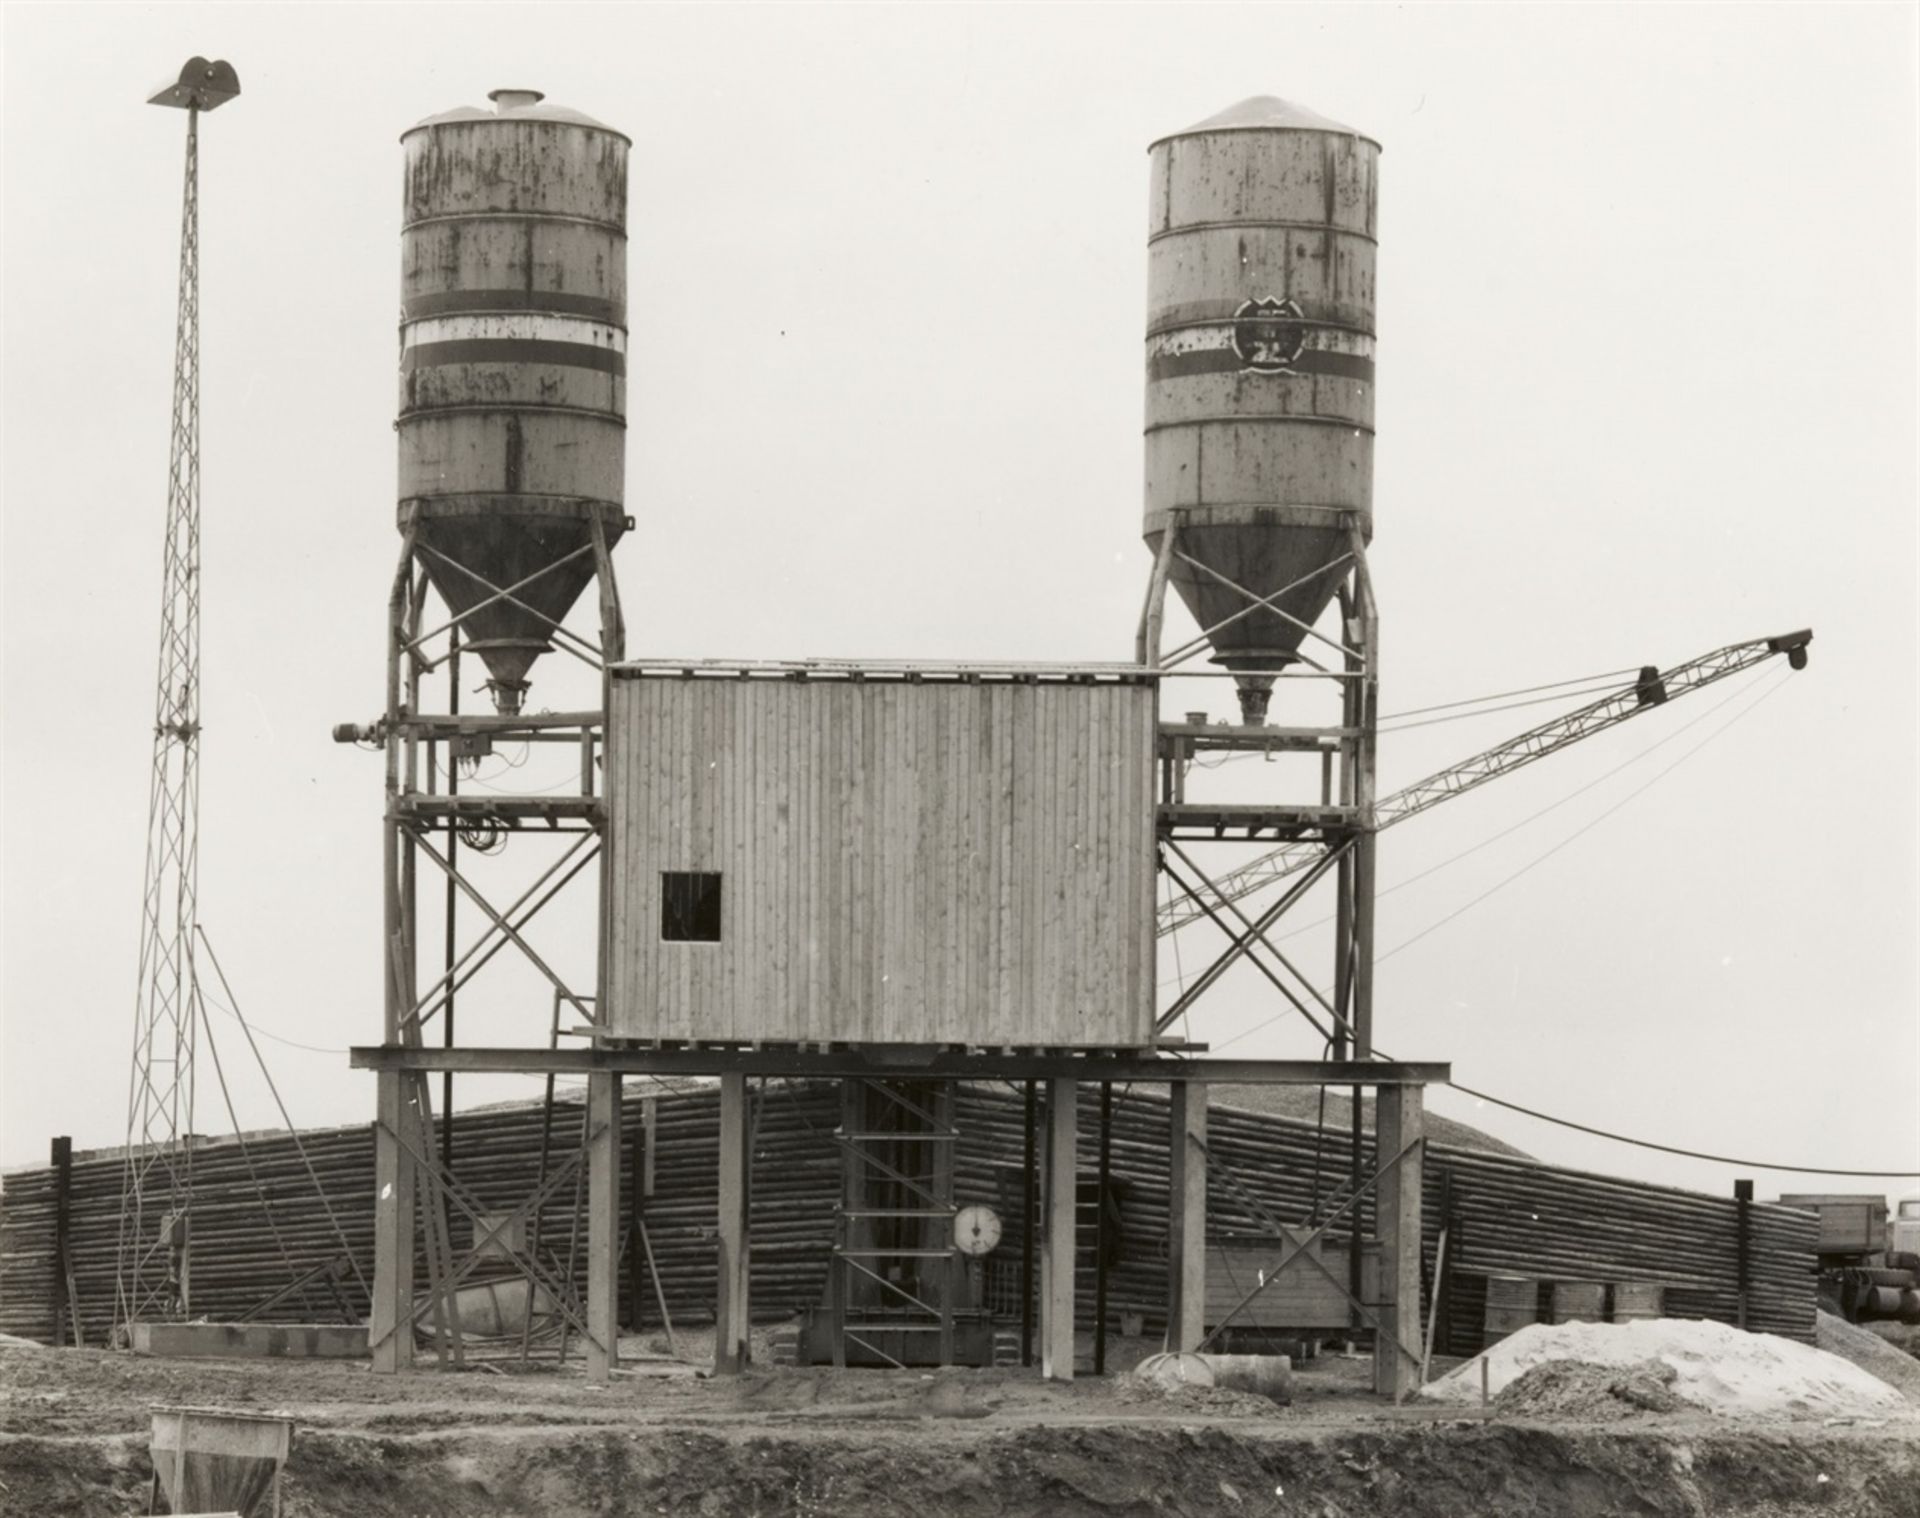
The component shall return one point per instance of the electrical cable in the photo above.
(1692, 1154)
(212, 1000)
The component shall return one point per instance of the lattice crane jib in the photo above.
(154, 1270)
(1651, 688)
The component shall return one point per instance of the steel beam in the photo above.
(888, 1062)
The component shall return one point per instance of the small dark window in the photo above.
(689, 907)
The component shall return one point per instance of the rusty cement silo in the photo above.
(1260, 334)
(513, 341)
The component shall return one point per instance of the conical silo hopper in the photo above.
(513, 356)
(1260, 333)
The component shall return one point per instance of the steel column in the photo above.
(1056, 1291)
(394, 1191)
(1187, 1215)
(1029, 1218)
(603, 1226)
(1104, 1177)
(732, 1314)
(1399, 1124)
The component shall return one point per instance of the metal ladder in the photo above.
(894, 1226)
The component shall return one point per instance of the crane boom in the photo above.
(1654, 687)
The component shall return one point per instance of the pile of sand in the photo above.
(1717, 1368)
(1870, 1351)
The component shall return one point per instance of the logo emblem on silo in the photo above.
(1268, 335)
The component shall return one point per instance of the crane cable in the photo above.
(1528, 690)
(1612, 688)
(1512, 828)
(1539, 859)
(1568, 1122)
(1607, 683)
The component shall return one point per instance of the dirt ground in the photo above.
(665, 1439)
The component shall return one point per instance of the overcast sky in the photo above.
(1646, 387)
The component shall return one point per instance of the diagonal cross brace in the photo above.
(1261, 603)
(1303, 1245)
(887, 1170)
(565, 636)
(1285, 616)
(1260, 933)
(502, 924)
(1241, 944)
(456, 976)
(898, 1290)
(486, 1232)
(415, 643)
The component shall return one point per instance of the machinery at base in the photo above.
(1869, 1267)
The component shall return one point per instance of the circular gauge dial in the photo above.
(976, 1230)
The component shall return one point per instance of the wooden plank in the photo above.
(1186, 1215)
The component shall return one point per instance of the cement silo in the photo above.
(513, 339)
(1260, 333)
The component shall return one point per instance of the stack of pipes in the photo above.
(1508, 1215)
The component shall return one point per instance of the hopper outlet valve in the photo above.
(1255, 692)
(508, 695)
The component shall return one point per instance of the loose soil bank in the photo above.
(73, 1430)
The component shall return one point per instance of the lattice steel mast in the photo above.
(154, 1273)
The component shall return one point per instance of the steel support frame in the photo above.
(1344, 816)
(408, 1180)
(416, 1186)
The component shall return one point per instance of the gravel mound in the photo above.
(1717, 1368)
(1870, 1352)
(1601, 1393)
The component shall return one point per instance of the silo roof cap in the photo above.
(1265, 113)
(517, 105)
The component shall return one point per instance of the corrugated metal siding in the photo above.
(902, 863)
